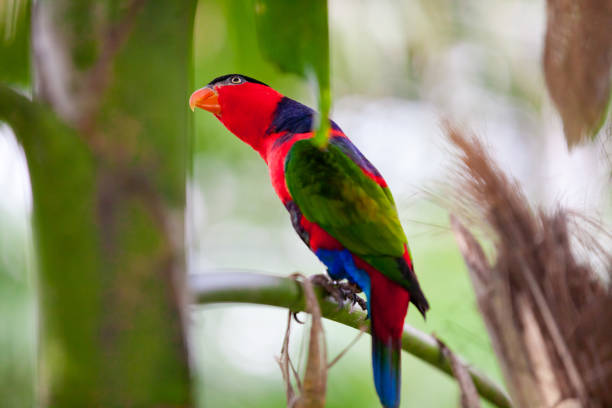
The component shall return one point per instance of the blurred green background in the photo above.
(398, 67)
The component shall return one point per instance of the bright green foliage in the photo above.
(14, 41)
(294, 35)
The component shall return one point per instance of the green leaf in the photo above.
(15, 41)
(295, 36)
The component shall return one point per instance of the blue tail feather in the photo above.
(387, 374)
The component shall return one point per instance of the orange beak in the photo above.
(206, 99)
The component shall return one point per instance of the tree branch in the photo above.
(256, 288)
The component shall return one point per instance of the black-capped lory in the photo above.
(339, 204)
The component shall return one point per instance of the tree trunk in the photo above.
(109, 198)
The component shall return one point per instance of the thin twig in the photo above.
(284, 361)
(347, 348)
(469, 396)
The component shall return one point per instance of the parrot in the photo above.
(338, 203)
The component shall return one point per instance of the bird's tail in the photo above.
(389, 304)
(386, 362)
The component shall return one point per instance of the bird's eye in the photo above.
(235, 80)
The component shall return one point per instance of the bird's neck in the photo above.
(290, 118)
(264, 124)
(247, 112)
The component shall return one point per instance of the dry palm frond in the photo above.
(549, 314)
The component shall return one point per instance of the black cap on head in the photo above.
(244, 78)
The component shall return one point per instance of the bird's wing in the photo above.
(333, 191)
(349, 149)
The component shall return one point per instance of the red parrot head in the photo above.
(244, 105)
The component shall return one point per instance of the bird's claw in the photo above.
(331, 287)
(296, 318)
(340, 291)
(359, 301)
(350, 291)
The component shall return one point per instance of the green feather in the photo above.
(333, 192)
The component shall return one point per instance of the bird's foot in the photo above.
(356, 299)
(330, 286)
(340, 291)
(350, 292)
(350, 288)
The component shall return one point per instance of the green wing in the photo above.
(333, 192)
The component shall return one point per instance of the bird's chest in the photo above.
(277, 154)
